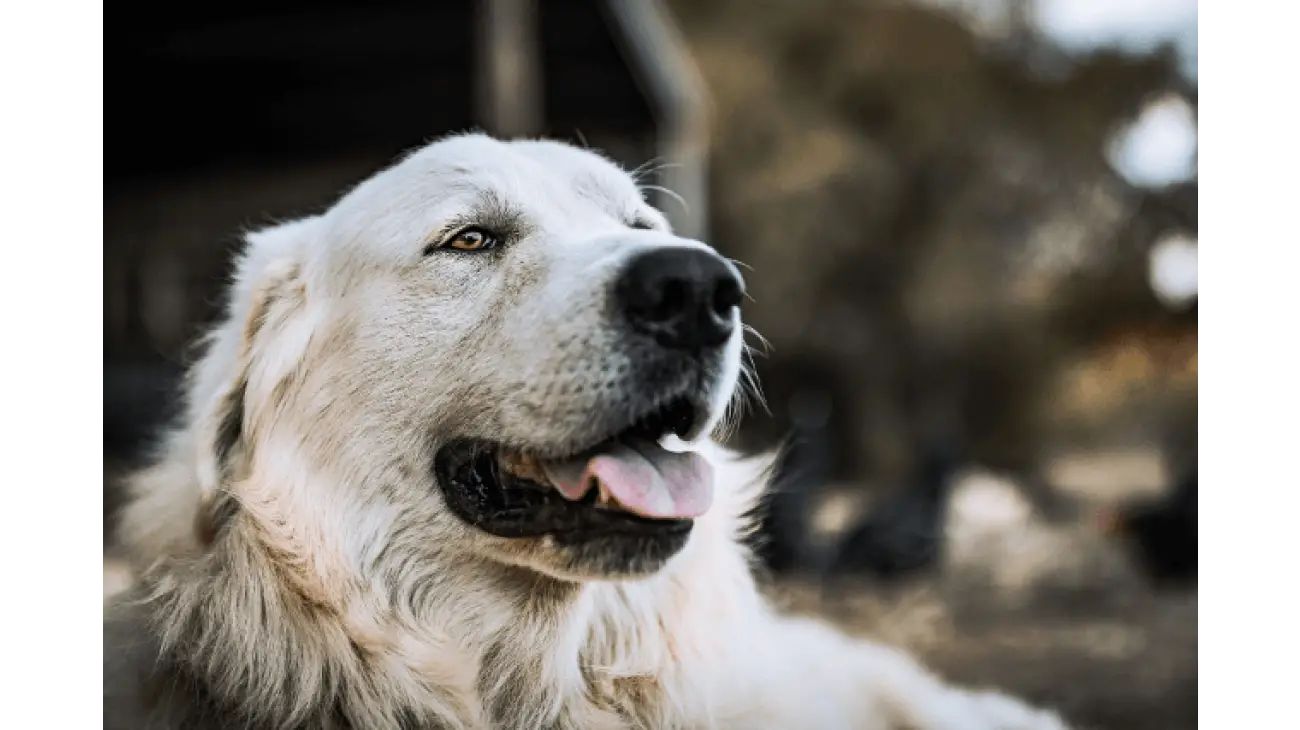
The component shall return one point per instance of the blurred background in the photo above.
(968, 228)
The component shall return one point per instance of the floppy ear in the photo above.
(253, 350)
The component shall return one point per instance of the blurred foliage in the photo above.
(934, 239)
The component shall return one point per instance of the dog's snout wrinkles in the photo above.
(682, 297)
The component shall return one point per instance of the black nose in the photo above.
(682, 297)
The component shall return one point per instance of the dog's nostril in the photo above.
(727, 295)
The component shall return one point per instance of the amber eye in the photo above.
(472, 239)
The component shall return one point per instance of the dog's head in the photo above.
(480, 352)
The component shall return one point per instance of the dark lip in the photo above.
(500, 504)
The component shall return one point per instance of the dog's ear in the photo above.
(259, 344)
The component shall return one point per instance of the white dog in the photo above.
(446, 464)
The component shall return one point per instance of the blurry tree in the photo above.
(933, 225)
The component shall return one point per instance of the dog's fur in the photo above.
(298, 568)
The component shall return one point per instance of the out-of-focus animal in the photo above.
(783, 541)
(903, 534)
(1160, 534)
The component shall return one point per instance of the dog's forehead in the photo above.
(588, 172)
(521, 171)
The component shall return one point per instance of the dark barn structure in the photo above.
(228, 116)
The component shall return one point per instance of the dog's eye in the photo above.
(472, 239)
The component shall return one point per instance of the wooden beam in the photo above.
(659, 56)
(510, 86)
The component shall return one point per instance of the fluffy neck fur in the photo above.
(235, 620)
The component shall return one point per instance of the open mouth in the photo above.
(627, 484)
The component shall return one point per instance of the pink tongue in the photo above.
(645, 478)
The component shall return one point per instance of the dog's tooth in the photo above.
(605, 499)
(534, 471)
(522, 466)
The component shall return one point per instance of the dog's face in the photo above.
(487, 344)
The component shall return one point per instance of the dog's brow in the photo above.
(489, 210)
